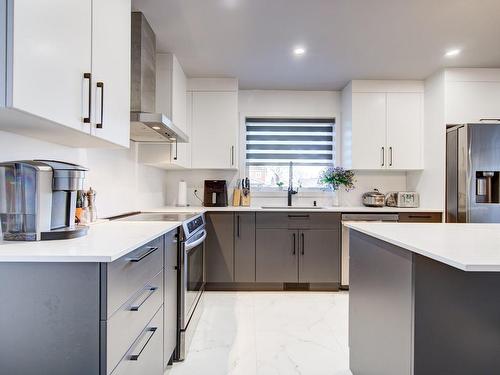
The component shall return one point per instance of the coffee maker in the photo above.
(215, 193)
(38, 200)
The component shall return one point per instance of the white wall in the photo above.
(430, 182)
(121, 183)
(284, 103)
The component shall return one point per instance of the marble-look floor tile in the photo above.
(270, 333)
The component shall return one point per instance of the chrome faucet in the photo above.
(290, 185)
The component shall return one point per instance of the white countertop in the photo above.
(469, 247)
(200, 209)
(104, 242)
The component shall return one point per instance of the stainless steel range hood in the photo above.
(145, 124)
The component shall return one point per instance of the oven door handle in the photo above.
(191, 245)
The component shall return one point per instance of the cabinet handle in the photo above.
(142, 255)
(298, 216)
(89, 111)
(390, 156)
(303, 243)
(176, 147)
(293, 253)
(100, 85)
(238, 225)
(383, 156)
(150, 291)
(232, 156)
(149, 331)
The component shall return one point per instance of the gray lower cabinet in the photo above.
(244, 247)
(90, 318)
(276, 255)
(219, 247)
(170, 295)
(319, 256)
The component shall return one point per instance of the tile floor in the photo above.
(270, 333)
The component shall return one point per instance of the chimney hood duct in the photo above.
(145, 124)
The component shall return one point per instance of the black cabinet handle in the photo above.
(298, 216)
(151, 331)
(302, 236)
(294, 241)
(390, 156)
(420, 216)
(100, 85)
(238, 225)
(89, 77)
(143, 255)
(150, 290)
(383, 156)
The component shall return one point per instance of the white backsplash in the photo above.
(365, 181)
(121, 183)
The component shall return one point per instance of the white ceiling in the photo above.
(345, 39)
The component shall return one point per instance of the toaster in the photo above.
(404, 199)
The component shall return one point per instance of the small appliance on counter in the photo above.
(215, 193)
(373, 198)
(403, 199)
(38, 200)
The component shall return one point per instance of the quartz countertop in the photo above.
(200, 209)
(469, 247)
(105, 242)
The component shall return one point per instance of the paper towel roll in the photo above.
(182, 194)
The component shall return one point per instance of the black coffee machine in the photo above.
(215, 193)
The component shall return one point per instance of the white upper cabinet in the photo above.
(214, 133)
(171, 99)
(369, 130)
(382, 125)
(50, 86)
(111, 70)
(472, 95)
(404, 130)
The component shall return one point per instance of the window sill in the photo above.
(310, 193)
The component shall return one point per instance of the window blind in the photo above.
(276, 142)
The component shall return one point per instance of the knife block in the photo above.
(236, 197)
(245, 198)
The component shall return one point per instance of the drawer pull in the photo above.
(150, 331)
(150, 291)
(420, 216)
(143, 255)
(298, 216)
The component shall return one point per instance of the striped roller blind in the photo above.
(276, 142)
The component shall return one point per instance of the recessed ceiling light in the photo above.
(156, 127)
(299, 51)
(453, 52)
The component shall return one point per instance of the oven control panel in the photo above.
(195, 223)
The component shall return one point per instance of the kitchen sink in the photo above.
(292, 207)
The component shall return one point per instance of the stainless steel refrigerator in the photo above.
(473, 173)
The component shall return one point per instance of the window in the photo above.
(272, 143)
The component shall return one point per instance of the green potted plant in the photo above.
(336, 177)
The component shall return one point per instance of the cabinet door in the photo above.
(215, 130)
(51, 53)
(111, 70)
(319, 260)
(219, 247)
(369, 131)
(276, 255)
(244, 247)
(170, 295)
(180, 153)
(404, 130)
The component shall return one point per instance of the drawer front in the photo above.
(125, 276)
(128, 322)
(145, 357)
(298, 220)
(420, 217)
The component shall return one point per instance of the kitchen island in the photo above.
(424, 298)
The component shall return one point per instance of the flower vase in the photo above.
(335, 198)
